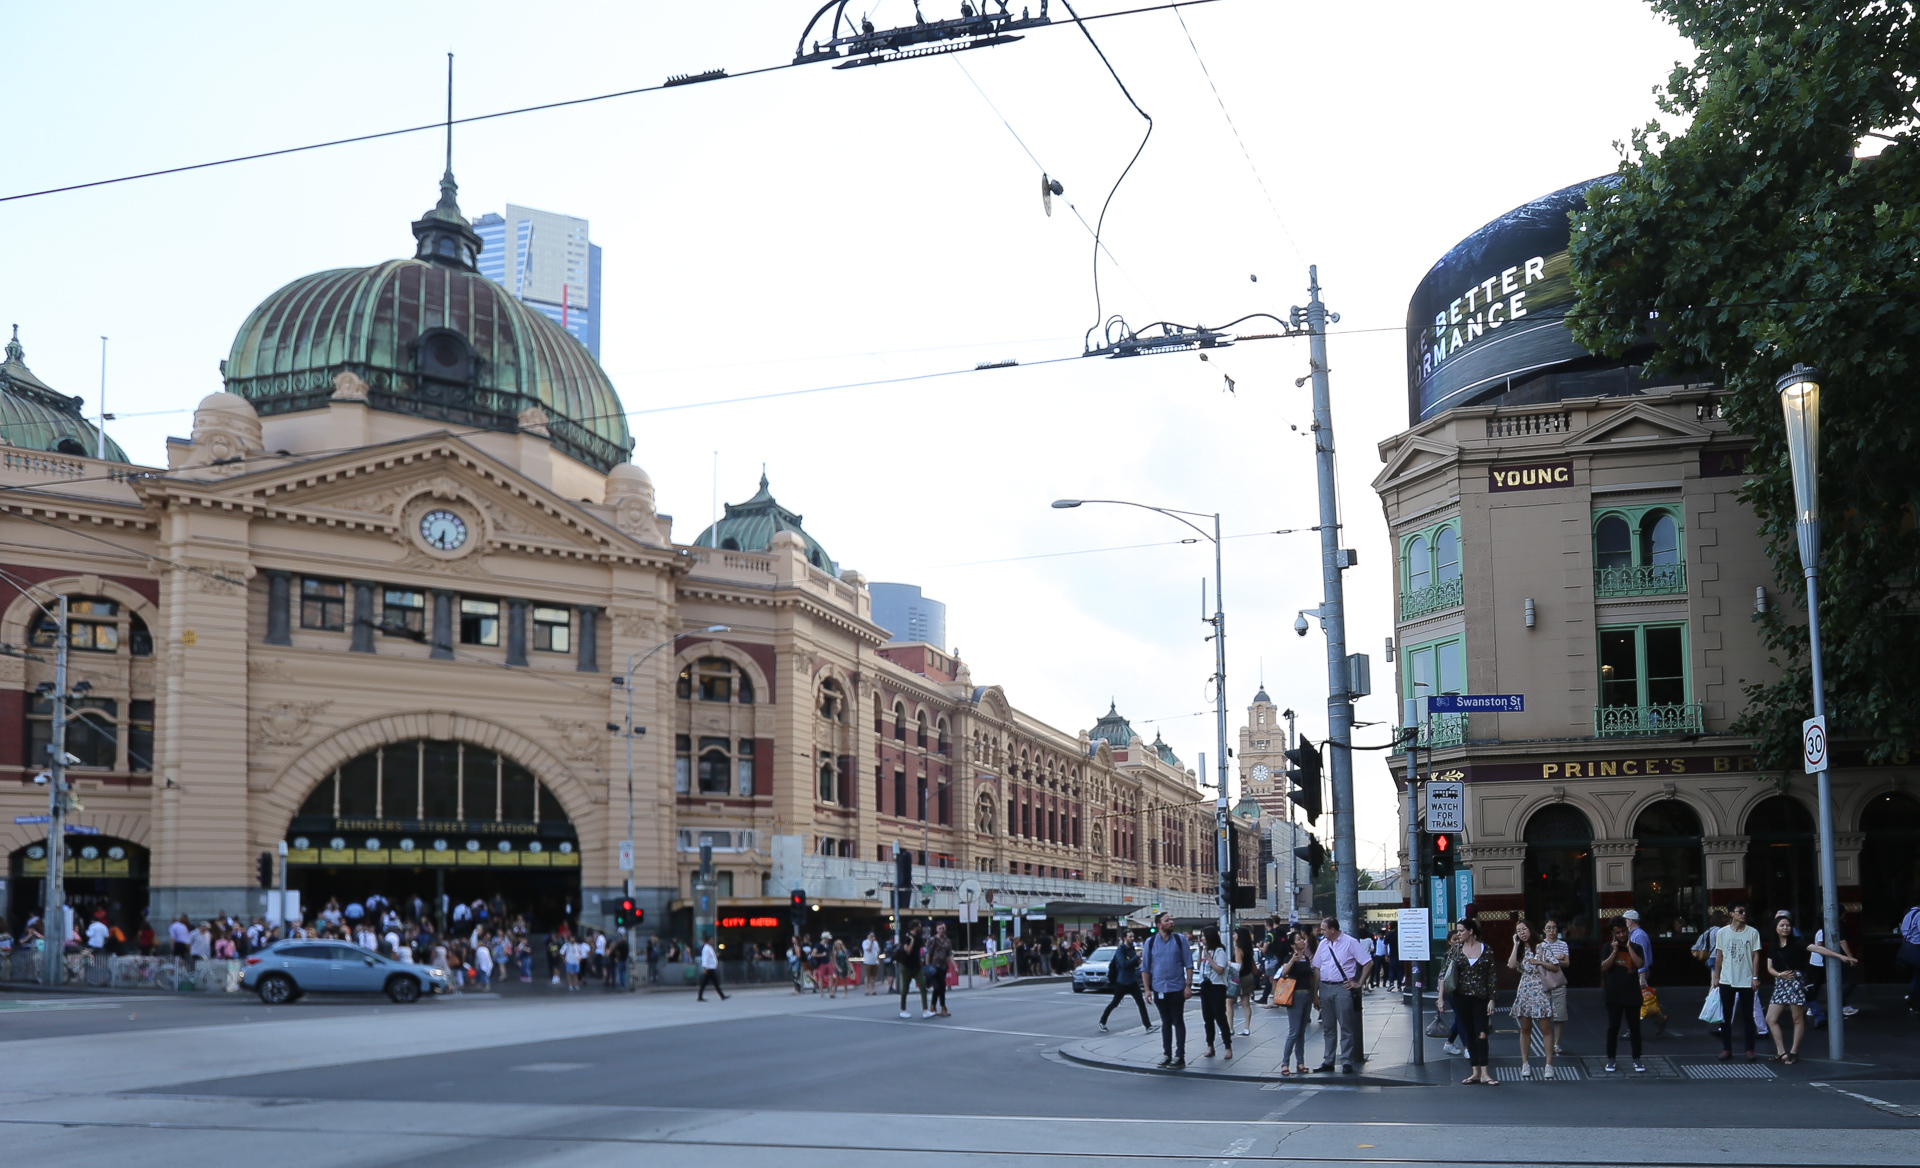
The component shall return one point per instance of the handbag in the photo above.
(1283, 991)
(1553, 979)
(1710, 1012)
(1450, 981)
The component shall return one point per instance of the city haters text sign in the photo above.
(1533, 476)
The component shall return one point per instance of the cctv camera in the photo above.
(1300, 626)
(70, 759)
(41, 779)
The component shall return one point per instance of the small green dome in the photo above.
(750, 527)
(35, 416)
(433, 338)
(1112, 727)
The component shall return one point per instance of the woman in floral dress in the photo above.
(1531, 1004)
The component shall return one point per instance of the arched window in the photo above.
(829, 780)
(899, 722)
(432, 778)
(1889, 862)
(712, 679)
(943, 741)
(1780, 861)
(833, 702)
(1638, 552)
(920, 724)
(715, 767)
(879, 716)
(1419, 565)
(1430, 571)
(1669, 870)
(1446, 555)
(1559, 869)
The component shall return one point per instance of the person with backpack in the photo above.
(1124, 978)
(1168, 964)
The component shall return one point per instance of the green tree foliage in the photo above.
(1753, 239)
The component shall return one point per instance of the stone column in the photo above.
(279, 586)
(1726, 868)
(442, 625)
(516, 631)
(1613, 875)
(363, 618)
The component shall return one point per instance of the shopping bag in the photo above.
(1710, 1013)
(1283, 991)
(1439, 1027)
(1650, 1002)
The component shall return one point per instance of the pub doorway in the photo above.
(102, 875)
(1780, 864)
(1560, 874)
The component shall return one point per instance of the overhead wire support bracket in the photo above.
(863, 44)
(1124, 341)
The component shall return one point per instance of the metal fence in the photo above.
(23, 966)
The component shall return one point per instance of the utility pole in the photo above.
(1333, 617)
(1410, 721)
(1293, 898)
(1220, 827)
(54, 915)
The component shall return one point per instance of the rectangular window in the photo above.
(90, 636)
(479, 621)
(879, 788)
(403, 613)
(921, 803)
(1643, 666)
(140, 735)
(743, 769)
(723, 883)
(946, 804)
(552, 629)
(92, 736)
(682, 764)
(1439, 667)
(900, 793)
(323, 604)
(715, 767)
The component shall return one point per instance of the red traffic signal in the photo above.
(1440, 843)
(628, 914)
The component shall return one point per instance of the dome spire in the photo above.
(15, 353)
(443, 235)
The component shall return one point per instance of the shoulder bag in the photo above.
(1552, 979)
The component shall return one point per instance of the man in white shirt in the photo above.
(709, 971)
(1735, 949)
(1340, 966)
(483, 964)
(870, 963)
(180, 935)
(97, 937)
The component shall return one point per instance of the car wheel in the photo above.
(277, 990)
(1078, 988)
(403, 989)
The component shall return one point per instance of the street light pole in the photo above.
(1800, 403)
(626, 683)
(53, 917)
(1219, 622)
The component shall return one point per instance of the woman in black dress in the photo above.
(1620, 981)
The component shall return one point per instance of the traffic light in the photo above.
(903, 879)
(1238, 895)
(627, 914)
(797, 908)
(264, 869)
(1304, 774)
(1442, 856)
(1313, 854)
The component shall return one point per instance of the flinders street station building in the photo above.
(390, 604)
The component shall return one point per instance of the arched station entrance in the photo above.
(436, 822)
(102, 874)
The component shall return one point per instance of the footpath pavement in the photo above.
(1881, 1045)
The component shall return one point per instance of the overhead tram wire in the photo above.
(444, 123)
(1244, 152)
(1099, 312)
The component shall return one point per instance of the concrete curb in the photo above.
(1190, 1071)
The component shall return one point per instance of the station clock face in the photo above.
(1262, 773)
(443, 530)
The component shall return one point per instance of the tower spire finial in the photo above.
(449, 115)
(443, 234)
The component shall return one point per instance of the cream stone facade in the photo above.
(1592, 555)
(390, 605)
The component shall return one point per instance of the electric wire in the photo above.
(444, 123)
(1100, 225)
(1244, 152)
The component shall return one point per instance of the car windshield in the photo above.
(1104, 953)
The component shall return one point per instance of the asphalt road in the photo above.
(589, 1079)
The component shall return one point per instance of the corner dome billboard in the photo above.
(1492, 312)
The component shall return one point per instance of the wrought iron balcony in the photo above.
(1433, 598)
(1649, 580)
(1631, 721)
(1438, 732)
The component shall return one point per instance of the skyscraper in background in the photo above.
(547, 261)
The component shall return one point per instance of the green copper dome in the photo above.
(35, 416)
(750, 527)
(1112, 727)
(433, 338)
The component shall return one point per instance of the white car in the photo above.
(1091, 974)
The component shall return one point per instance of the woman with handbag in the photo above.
(1293, 992)
(1531, 1005)
(1217, 972)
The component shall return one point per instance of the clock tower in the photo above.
(1263, 757)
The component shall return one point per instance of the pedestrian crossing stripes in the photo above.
(1562, 1073)
(1729, 1071)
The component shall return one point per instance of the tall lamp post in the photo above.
(1219, 622)
(1800, 402)
(634, 662)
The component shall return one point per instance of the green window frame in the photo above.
(1430, 668)
(1645, 681)
(1639, 551)
(1430, 567)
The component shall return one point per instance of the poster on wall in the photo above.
(1463, 890)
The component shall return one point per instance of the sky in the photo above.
(812, 228)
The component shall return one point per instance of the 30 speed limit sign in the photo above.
(1813, 743)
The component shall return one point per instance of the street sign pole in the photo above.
(53, 923)
(1411, 721)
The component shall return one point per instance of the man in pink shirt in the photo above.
(1340, 966)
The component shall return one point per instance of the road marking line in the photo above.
(1290, 1104)
(901, 1022)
